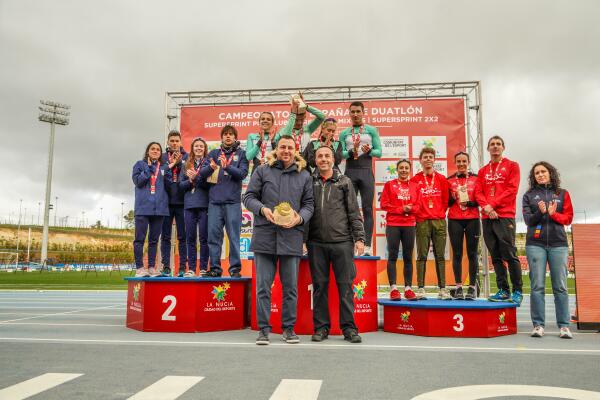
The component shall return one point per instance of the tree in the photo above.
(97, 225)
(129, 219)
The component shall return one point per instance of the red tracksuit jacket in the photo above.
(497, 185)
(472, 209)
(433, 198)
(396, 194)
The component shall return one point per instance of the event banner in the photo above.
(405, 127)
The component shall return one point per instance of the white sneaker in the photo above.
(189, 274)
(421, 295)
(538, 331)
(444, 294)
(565, 333)
(153, 272)
(142, 273)
(367, 251)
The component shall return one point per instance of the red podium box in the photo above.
(186, 304)
(365, 299)
(450, 318)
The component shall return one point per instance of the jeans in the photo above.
(142, 223)
(340, 256)
(175, 211)
(556, 258)
(266, 266)
(230, 217)
(431, 231)
(196, 219)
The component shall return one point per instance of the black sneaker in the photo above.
(263, 337)
(320, 335)
(470, 294)
(166, 271)
(352, 336)
(458, 293)
(213, 274)
(235, 275)
(290, 336)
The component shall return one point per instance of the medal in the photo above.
(297, 137)
(494, 171)
(153, 178)
(197, 172)
(429, 187)
(356, 140)
(430, 203)
(493, 191)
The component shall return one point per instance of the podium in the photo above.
(187, 304)
(365, 299)
(450, 318)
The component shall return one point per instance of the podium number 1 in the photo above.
(167, 314)
(459, 323)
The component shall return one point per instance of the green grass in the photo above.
(105, 280)
(71, 280)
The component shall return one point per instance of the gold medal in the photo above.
(493, 191)
(430, 203)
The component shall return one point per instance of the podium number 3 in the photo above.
(167, 314)
(459, 323)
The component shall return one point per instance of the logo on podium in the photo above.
(136, 291)
(501, 317)
(219, 292)
(359, 290)
(405, 316)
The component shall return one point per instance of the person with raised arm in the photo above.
(259, 145)
(295, 125)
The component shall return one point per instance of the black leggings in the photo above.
(457, 230)
(364, 184)
(396, 235)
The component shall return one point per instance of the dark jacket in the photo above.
(336, 218)
(269, 186)
(172, 185)
(147, 203)
(199, 197)
(543, 229)
(309, 154)
(228, 190)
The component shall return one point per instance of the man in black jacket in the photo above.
(336, 233)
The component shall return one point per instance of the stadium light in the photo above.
(53, 113)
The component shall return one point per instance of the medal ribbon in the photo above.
(153, 178)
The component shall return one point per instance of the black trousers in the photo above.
(499, 235)
(458, 229)
(364, 183)
(341, 257)
(394, 236)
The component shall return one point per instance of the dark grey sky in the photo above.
(112, 62)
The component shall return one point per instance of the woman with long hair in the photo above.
(195, 204)
(326, 138)
(151, 206)
(463, 223)
(400, 200)
(547, 209)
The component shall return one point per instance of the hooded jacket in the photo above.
(336, 217)
(172, 185)
(270, 185)
(146, 202)
(228, 190)
(198, 197)
(547, 230)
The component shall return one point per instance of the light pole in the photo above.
(100, 217)
(53, 113)
(39, 211)
(55, 208)
(18, 232)
(122, 216)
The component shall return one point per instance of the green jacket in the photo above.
(253, 145)
(307, 130)
(370, 130)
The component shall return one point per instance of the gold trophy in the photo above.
(301, 104)
(463, 196)
(214, 177)
(283, 213)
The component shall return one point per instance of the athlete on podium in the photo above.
(336, 233)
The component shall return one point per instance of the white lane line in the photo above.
(297, 389)
(35, 385)
(62, 313)
(321, 346)
(476, 392)
(168, 388)
(58, 324)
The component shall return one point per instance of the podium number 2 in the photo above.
(459, 323)
(167, 314)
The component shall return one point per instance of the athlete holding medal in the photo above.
(431, 222)
(259, 145)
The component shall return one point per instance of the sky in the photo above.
(113, 61)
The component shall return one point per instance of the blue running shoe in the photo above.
(501, 295)
(517, 297)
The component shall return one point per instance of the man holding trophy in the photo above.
(280, 195)
(360, 143)
(294, 127)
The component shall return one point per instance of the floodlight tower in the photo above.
(53, 113)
